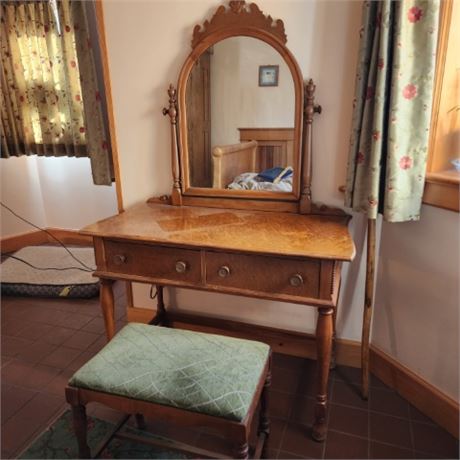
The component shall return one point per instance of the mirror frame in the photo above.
(241, 19)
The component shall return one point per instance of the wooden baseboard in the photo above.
(16, 242)
(420, 393)
(37, 237)
(287, 342)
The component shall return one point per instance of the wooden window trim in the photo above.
(441, 188)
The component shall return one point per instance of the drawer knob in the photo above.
(119, 259)
(181, 266)
(296, 280)
(223, 271)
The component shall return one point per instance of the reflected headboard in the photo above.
(275, 146)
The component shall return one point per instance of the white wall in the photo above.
(52, 192)
(147, 43)
(20, 190)
(237, 100)
(416, 316)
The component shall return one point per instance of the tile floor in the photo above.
(45, 340)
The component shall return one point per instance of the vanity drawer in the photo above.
(263, 274)
(153, 261)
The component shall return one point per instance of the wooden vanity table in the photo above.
(268, 244)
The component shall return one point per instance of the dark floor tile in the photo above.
(98, 345)
(297, 439)
(46, 315)
(35, 331)
(74, 320)
(57, 385)
(348, 394)
(13, 399)
(91, 309)
(434, 440)
(36, 352)
(29, 420)
(61, 357)
(388, 402)
(81, 340)
(349, 420)
(6, 454)
(80, 360)
(380, 450)
(417, 416)
(12, 346)
(14, 327)
(280, 404)
(95, 325)
(347, 374)
(390, 430)
(340, 445)
(58, 335)
(28, 375)
(303, 410)
(288, 362)
(285, 380)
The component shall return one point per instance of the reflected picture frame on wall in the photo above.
(268, 75)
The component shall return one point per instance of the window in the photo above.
(51, 103)
(443, 167)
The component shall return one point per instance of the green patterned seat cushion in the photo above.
(204, 373)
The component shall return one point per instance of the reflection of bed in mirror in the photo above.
(237, 166)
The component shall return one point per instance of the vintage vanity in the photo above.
(218, 232)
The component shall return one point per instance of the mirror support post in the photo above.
(309, 110)
(176, 196)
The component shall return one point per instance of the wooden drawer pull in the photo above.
(296, 280)
(223, 271)
(181, 266)
(119, 259)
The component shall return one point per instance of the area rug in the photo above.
(58, 441)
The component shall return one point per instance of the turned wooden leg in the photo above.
(79, 424)
(324, 329)
(242, 451)
(160, 317)
(140, 422)
(108, 307)
(334, 344)
(264, 419)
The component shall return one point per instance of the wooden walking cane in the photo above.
(368, 306)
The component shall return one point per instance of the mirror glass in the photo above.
(240, 102)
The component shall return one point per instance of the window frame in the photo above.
(441, 188)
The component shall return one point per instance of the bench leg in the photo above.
(242, 451)
(80, 426)
(140, 422)
(264, 420)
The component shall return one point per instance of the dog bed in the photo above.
(20, 279)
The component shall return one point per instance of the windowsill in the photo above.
(442, 190)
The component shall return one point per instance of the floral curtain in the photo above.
(392, 108)
(50, 102)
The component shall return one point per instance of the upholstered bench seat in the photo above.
(203, 373)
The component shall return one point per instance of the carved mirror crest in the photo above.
(238, 142)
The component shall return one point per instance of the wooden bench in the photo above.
(181, 377)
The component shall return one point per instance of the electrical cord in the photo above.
(47, 268)
(88, 269)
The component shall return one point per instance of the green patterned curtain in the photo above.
(392, 108)
(50, 101)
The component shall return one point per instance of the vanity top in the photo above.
(280, 234)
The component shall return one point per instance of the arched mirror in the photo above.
(240, 106)
(239, 111)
